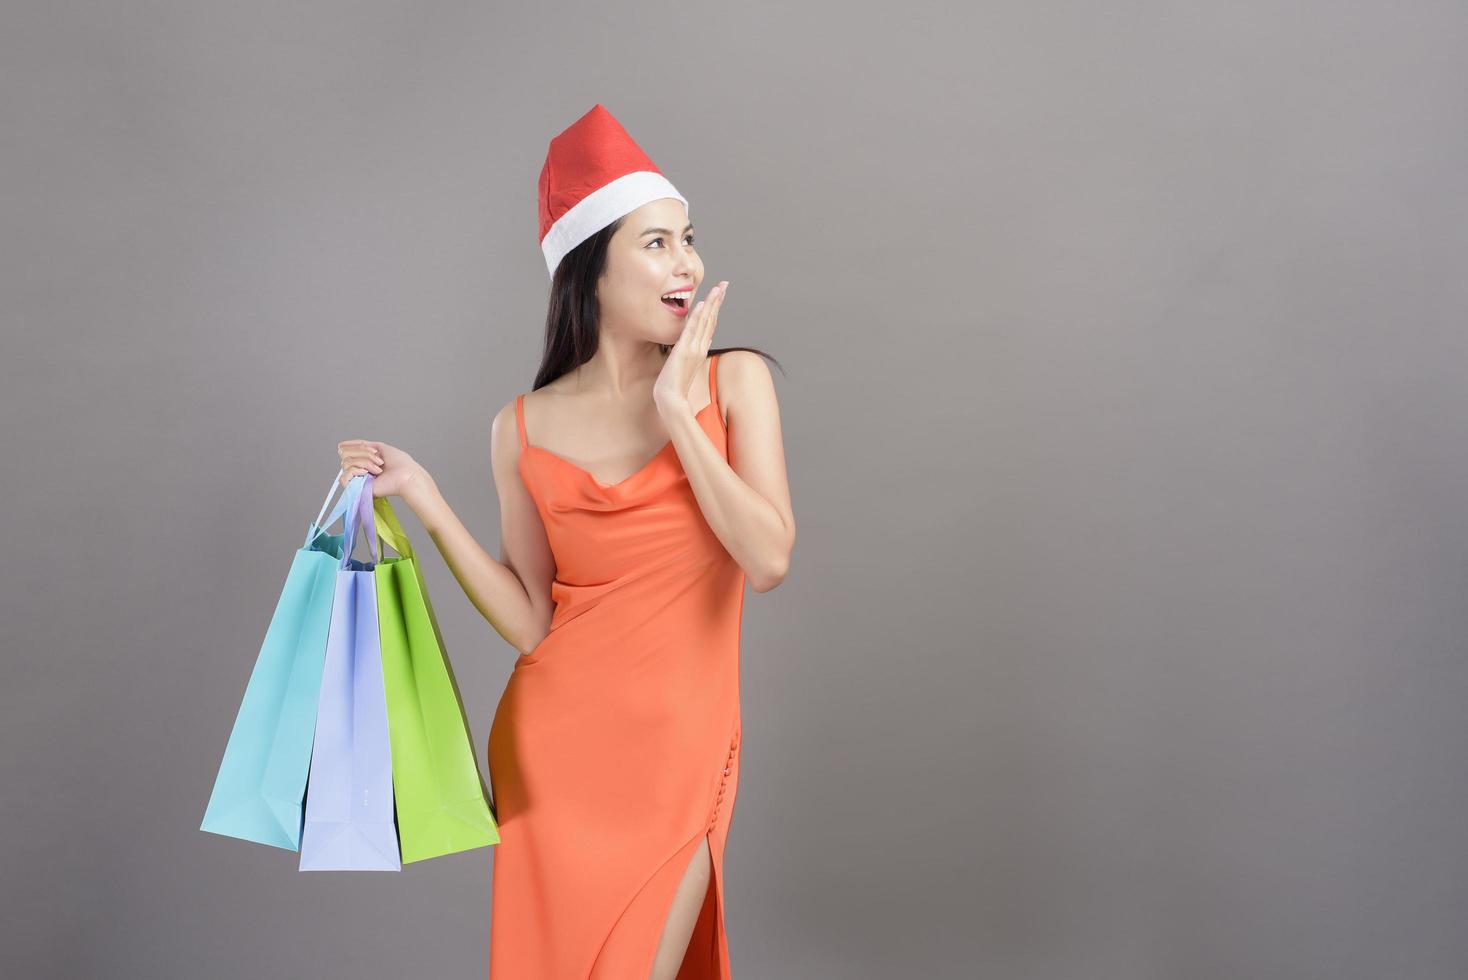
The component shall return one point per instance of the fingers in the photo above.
(359, 449)
(358, 456)
(350, 473)
(691, 328)
(711, 317)
(363, 465)
(699, 319)
(701, 328)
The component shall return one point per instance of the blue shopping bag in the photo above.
(350, 823)
(258, 792)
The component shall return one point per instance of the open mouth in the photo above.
(677, 302)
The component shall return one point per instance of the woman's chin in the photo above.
(660, 334)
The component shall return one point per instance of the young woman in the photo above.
(641, 483)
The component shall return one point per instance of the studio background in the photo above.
(1124, 408)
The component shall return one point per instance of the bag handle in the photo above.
(317, 528)
(359, 517)
(389, 530)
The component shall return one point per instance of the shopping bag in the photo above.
(440, 796)
(349, 823)
(258, 791)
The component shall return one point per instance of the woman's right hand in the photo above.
(393, 470)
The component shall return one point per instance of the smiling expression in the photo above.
(651, 256)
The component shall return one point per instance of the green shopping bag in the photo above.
(441, 801)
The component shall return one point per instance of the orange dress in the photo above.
(615, 747)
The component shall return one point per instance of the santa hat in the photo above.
(593, 174)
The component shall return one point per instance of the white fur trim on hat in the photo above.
(600, 208)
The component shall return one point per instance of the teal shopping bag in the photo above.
(261, 784)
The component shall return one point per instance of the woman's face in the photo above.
(650, 256)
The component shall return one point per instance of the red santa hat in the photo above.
(593, 174)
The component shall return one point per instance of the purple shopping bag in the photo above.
(350, 824)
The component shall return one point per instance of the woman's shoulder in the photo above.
(510, 427)
(740, 375)
(504, 432)
(740, 363)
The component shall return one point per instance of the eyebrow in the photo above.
(663, 231)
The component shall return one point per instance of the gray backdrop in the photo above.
(1125, 418)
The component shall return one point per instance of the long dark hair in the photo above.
(573, 318)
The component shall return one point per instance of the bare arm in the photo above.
(513, 593)
(745, 500)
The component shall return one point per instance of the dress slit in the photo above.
(634, 935)
(633, 938)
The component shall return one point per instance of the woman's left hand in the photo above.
(685, 359)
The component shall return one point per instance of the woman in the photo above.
(641, 484)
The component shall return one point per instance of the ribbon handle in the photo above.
(359, 517)
(317, 528)
(390, 530)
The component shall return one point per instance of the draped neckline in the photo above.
(662, 451)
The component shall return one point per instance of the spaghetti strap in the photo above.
(520, 418)
(713, 383)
